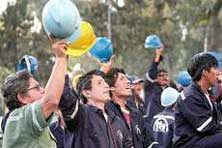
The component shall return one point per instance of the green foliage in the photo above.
(16, 22)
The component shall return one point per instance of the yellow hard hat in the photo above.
(86, 40)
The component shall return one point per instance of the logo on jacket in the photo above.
(137, 129)
(160, 125)
(119, 135)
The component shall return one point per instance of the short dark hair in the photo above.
(85, 83)
(199, 62)
(111, 77)
(14, 84)
(162, 70)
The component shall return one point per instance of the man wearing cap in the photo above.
(31, 106)
(197, 118)
(137, 99)
(163, 122)
(156, 80)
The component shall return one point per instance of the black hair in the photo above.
(199, 62)
(111, 77)
(162, 70)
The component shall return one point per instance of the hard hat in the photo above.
(86, 40)
(153, 42)
(61, 19)
(217, 56)
(27, 62)
(134, 79)
(184, 78)
(102, 49)
(169, 96)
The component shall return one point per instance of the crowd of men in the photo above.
(107, 108)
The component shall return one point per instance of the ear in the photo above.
(21, 98)
(86, 93)
(204, 72)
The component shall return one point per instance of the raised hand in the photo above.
(58, 47)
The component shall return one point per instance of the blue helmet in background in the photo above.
(61, 18)
(217, 56)
(27, 62)
(184, 78)
(169, 96)
(102, 49)
(153, 42)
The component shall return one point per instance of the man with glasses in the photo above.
(156, 80)
(31, 106)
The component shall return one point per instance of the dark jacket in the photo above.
(195, 117)
(141, 135)
(89, 125)
(64, 138)
(140, 107)
(152, 92)
(163, 128)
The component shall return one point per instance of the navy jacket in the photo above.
(64, 138)
(195, 117)
(89, 125)
(163, 128)
(141, 136)
(131, 102)
(152, 92)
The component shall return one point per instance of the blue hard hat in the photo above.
(169, 96)
(153, 42)
(184, 78)
(102, 49)
(27, 62)
(217, 56)
(61, 19)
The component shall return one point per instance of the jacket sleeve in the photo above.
(149, 82)
(69, 104)
(198, 114)
(152, 71)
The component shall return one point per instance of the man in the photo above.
(163, 122)
(137, 99)
(32, 106)
(156, 81)
(197, 118)
(120, 92)
(94, 126)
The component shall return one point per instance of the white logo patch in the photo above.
(119, 135)
(160, 125)
(138, 131)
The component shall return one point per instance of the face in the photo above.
(211, 76)
(163, 78)
(99, 91)
(122, 87)
(137, 88)
(34, 92)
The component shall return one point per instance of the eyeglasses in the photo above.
(37, 87)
